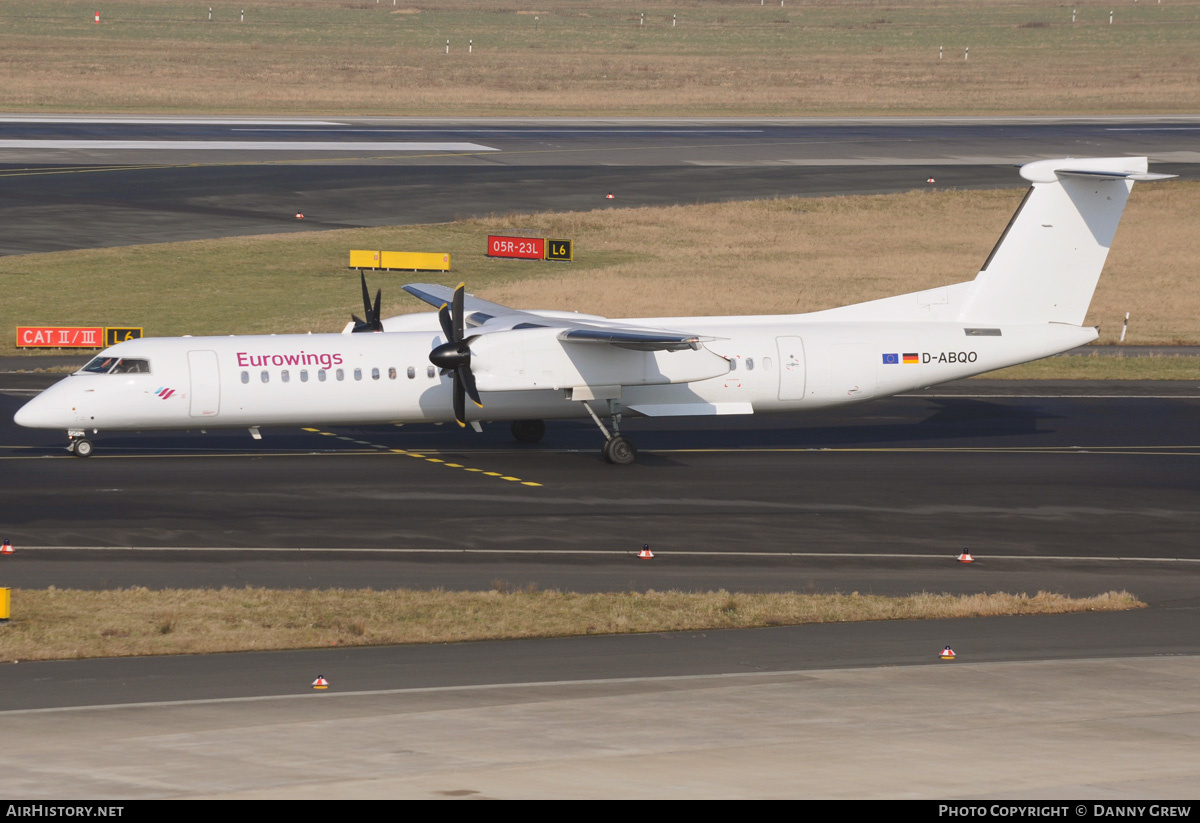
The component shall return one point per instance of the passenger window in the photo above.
(429, 371)
(411, 372)
(283, 375)
(733, 364)
(245, 377)
(321, 375)
(340, 374)
(392, 373)
(374, 374)
(358, 374)
(304, 375)
(749, 364)
(266, 376)
(767, 363)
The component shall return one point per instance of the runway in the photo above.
(65, 185)
(1065, 487)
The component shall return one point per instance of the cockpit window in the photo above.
(115, 365)
(127, 366)
(100, 365)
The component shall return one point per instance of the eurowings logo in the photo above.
(163, 392)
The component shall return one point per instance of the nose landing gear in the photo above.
(79, 445)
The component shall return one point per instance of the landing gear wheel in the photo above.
(82, 447)
(528, 431)
(619, 451)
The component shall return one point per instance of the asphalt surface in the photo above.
(878, 493)
(1075, 488)
(60, 193)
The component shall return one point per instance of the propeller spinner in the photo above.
(454, 355)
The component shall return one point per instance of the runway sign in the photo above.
(525, 248)
(559, 250)
(59, 337)
(411, 260)
(119, 334)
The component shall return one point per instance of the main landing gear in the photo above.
(618, 449)
(528, 431)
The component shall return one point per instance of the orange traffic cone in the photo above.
(6, 548)
(645, 553)
(930, 180)
(322, 683)
(947, 653)
(299, 215)
(965, 557)
(608, 196)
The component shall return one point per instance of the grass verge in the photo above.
(607, 57)
(1103, 367)
(50, 624)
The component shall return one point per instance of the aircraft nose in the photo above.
(27, 415)
(38, 413)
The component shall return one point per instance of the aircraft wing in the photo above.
(484, 317)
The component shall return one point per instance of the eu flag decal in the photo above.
(891, 359)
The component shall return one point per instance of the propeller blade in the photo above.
(372, 323)
(447, 323)
(460, 405)
(458, 312)
(464, 375)
(366, 296)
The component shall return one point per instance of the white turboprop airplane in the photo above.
(1027, 302)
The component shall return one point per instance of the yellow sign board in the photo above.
(412, 260)
(428, 261)
(364, 260)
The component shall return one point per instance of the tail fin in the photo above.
(1045, 267)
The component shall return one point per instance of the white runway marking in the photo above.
(518, 131)
(239, 145)
(615, 553)
(163, 120)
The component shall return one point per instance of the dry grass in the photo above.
(1099, 366)
(810, 57)
(770, 256)
(63, 624)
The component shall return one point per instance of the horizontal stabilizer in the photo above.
(1140, 177)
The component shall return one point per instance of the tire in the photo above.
(620, 451)
(83, 447)
(528, 431)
